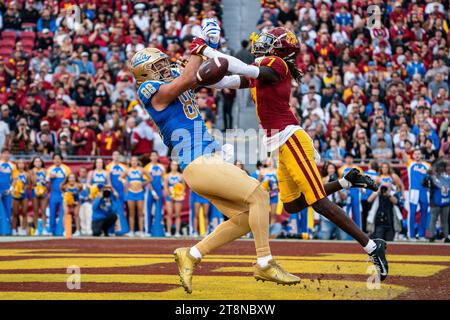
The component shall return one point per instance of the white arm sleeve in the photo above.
(235, 65)
(228, 82)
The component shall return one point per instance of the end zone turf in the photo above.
(144, 269)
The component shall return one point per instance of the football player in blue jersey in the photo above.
(168, 98)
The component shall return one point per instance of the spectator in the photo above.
(84, 140)
(46, 22)
(38, 61)
(382, 152)
(85, 65)
(108, 141)
(141, 138)
(21, 139)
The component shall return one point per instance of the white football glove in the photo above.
(211, 32)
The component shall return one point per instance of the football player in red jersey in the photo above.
(270, 80)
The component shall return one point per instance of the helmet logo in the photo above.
(140, 58)
(291, 38)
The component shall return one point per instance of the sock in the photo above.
(370, 247)
(195, 253)
(344, 183)
(264, 261)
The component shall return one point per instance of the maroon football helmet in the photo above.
(278, 42)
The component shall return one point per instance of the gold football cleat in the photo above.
(186, 264)
(275, 273)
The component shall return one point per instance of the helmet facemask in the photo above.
(263, 44)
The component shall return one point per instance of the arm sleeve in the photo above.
(228, 82)
(234, 64)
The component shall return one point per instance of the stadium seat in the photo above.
(9, 35)
(7, 43)
(27, 35)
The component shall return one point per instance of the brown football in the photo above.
(212, 71)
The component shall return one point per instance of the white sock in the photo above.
(371, 245)
(195, 253)
(264, 261)
(344, 183)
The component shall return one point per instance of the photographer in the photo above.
(104, 211)
(439, 183)
(384, 216)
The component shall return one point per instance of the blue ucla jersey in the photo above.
(22, 176)
(115, 172)
(173, 180)
(417, 171)
(365, 193)
(40, 177)
(99, 177)
(135, 175)
(157, 172)
(180, 124)
(75, 191)
(7, 170)
(61, 173)
(271, 178)
(386, 179)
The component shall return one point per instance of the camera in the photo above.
(383, 189)
(106, 193)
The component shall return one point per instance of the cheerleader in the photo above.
(71, 190)
(268, 178)
(20, 199)
(98, 177)
(39, 195)
(157, 171)
(136, 178)
(174, 188)
(56, 175)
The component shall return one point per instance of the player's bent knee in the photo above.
(259, 196)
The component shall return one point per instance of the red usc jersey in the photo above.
(272, 99)
(108, 143)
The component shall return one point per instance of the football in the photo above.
(212, 71)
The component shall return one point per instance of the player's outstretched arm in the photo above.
(170, 91)
(236, 66)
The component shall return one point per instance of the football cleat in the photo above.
(186, 265)
(378, 257)
(359, 180)
(275, 273)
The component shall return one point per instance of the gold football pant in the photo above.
(237, 196)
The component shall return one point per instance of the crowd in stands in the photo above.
(65, 86)
(376, 86)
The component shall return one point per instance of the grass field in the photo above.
(120, 268)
